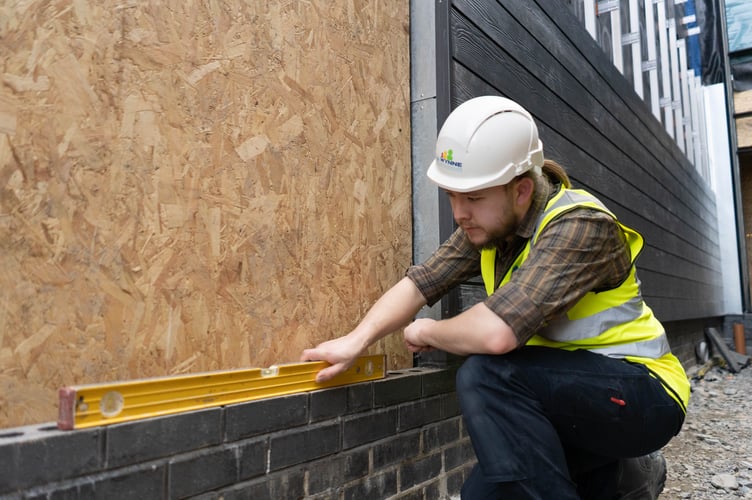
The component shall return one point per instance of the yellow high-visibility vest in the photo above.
(617, 322)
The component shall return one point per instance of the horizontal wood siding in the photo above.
(591, 120)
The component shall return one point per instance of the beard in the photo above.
(486, 229)
(496, 237)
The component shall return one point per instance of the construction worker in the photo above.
(569, 387)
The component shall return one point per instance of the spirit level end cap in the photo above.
(67, 408)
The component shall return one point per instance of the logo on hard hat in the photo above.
(448, 158)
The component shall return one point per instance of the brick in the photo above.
(264, 416)
(458, 455)
(438, 359)
(419, 413)
(360, 397)
(212, 495)
(282, 485)
(397, 388)
(202, 471)
(441, 434)
(328, 404)
(375, 487)
(450, 406)
(433, 489)
(454, 481)
(137, 483)
(294, 447)
(38, 495)
(416, 494)
(330, 495)
(331, 473)
(395, 450)
(84, 489)
(356, 464)
(142, 440)
(252, 458)
(463, 430)
(32, 456)
(437, 382)
(420, 471)
(368, 427)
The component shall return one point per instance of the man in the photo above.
(569, 386)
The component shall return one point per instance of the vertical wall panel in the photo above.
(592, 120)
(189, 186)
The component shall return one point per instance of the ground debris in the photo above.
(725, 481)
(711, 458)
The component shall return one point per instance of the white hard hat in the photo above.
(486, 141)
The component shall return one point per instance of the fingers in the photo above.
(418, 348)
(310, 355)
(330, 372)
(335, 368)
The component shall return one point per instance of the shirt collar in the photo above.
(543, 191)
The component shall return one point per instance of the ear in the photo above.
(523, 191)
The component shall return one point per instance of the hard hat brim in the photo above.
(439, 176)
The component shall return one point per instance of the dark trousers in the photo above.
(551, 424)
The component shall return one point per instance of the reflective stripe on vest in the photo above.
(644, 349)
(615, 322)
(565, 329)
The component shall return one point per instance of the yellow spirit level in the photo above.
(102, 404)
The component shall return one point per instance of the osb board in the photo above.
(743, 102)
(745, 172)
(743, 105)
(744, 132)
(194, 185)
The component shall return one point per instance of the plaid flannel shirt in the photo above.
(580, 251)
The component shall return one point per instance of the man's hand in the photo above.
(392, 311)
(478, 330)
(341, 353)
(412, 335)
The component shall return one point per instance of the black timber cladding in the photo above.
(591, 120)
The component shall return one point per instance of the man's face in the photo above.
(486, 215)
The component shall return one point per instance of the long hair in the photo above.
(555, 171)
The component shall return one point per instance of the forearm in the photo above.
(475, 331)
(395, 309)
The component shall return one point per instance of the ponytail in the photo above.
(555, 171)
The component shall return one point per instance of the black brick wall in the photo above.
(401, 437)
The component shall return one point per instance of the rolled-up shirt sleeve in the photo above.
(455, 261)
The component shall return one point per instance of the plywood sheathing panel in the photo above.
(743, 106)
(191, 186)
(743, 102)
(744, 132)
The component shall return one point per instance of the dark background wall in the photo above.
(590, 120)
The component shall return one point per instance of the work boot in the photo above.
(641, 478)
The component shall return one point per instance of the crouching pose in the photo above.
(569, 388)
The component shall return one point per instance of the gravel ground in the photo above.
(711, 458)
